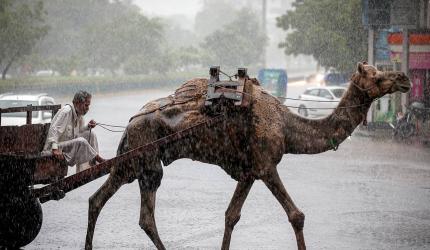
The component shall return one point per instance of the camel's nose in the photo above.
(403, 83)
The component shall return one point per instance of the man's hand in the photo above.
(58, 154)
(92, 124)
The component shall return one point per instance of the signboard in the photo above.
(417, 87)
(376, 12)
(382, 49)
(416, 60)
(404, 14)
(391, 13)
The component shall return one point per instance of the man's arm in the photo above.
(57, 128)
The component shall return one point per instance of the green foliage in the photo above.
(329, 30)
(214, 15)
(239, 43)
(21, 27)
(185, 57)
(176, 36)
(114, 43)
(102, 34)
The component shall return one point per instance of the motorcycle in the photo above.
(408, 124)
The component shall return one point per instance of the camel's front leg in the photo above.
(232, 215)
(295, 216)
(147, 219)
(96, 203)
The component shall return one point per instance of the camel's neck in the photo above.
(312, 136)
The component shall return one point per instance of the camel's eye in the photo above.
(378, 81)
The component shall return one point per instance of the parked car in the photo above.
(48, 72)
(9, 100)
(319, 101)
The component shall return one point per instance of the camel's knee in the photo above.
(148, 226)
(231, 219)
(297, 220)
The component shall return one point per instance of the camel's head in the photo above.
(376, 83)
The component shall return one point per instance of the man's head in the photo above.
(82, 102)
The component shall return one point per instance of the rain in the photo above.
(200, 112)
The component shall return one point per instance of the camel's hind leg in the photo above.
(295, 216)
(149, 181)
(147, 219)
(232, 215)
(96, 203)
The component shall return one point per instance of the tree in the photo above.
(21, 27)
(329, 30)
(185, 58)
(214, 15)
(113, 43)
(99, 35)
(240, 43)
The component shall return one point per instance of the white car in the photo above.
(319, 101)
(10, 100)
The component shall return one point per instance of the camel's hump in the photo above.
(189, 91)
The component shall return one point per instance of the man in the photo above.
(68, 137)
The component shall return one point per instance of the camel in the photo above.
(247, 144)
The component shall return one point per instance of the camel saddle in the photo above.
(229, 90)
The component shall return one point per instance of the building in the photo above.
(389, 21)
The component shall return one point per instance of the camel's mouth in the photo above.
(404, 86)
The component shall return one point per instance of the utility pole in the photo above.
(263, 24)
(371, 60)
(405, 64)
(371, 46)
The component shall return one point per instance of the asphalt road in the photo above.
(368, 194)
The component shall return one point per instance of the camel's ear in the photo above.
(360, 68)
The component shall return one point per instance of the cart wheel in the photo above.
(20, 220)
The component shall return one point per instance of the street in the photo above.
(369, 194)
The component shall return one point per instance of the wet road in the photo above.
(367, 195)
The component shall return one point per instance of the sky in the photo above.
(169, 7)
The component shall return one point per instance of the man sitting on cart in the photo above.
(69, 139)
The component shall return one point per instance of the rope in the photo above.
(345, 107)
(227, 74)
(102, 125)
(298, 99)
(108, 125)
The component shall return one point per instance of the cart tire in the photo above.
(20, 220)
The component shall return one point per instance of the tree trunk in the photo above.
(3, 76)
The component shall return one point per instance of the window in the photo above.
(325, 94)
(313, 92)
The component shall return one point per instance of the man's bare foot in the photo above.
(99, 159)
(95, 160)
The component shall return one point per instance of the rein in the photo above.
(104, 126)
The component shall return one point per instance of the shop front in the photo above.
(419, 63)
